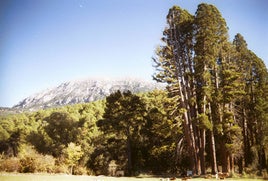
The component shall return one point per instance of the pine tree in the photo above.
(219, 89)
(174, 63)
(254, 105)
(123, 120)
(210, 37)
(242, 66)
(162, 133)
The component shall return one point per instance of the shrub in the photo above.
(27, 165)
(79, 170)
(44, 163)
(62, 168)
(31, 161)
(11, 164)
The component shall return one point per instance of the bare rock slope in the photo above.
(81, 91)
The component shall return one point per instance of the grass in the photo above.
(45, 177)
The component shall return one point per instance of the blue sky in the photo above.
(46, 42)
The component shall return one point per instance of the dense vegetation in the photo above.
(220, 88)
(213, 116)
(132, 129)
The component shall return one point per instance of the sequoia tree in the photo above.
(174, 65)
(253, 106)
(219, 89)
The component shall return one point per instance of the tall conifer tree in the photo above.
(254, 104)
(174, 63)
(220, 89)
(210, 37)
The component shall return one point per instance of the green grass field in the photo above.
(39, 177)
(33, 177)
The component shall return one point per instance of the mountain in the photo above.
(81, 91)
(7, 111)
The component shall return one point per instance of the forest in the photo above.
(212, 117)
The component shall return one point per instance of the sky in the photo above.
(46, 42)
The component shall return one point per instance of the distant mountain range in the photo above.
(81, 91)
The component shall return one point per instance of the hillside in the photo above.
(81, 91)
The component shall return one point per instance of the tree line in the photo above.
(213, 115)
(135, 131)
(220, 90)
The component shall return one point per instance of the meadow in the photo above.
(40, 177)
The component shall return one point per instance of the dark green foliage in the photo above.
(219, 90)
(62, 129)
(164, 132)
(15, 129)
(253, 105)
(123, 121)
(214, 113)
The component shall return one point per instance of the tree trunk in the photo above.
(240, 165)
(213, 151)
(202, 151)
(224, 157)
(232, 166)
(129, 155)
(71, 169)
(214, 115)
(245, 139)
(188, 127)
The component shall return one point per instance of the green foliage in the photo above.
(204, 122)
(122, 121)
(4, 135)
(6, 129)
(213, 113)
(36, 129)
(162, 131)
(216, 87)
(72, 154)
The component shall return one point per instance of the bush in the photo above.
(27, 165)
(99, 164)
(31, 161)
(62, 168)
(80, 170)
(11, 164)
(44, 163)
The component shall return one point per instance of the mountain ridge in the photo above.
(83, 91)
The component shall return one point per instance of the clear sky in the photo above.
(46, 42)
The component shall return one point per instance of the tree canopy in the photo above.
(212, 116)
(214, 82)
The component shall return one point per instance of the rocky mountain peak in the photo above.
(83, 90)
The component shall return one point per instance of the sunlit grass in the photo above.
(45, 177)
